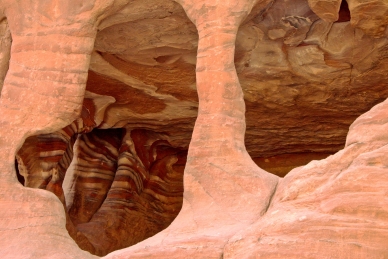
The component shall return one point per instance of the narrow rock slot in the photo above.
(344, 12)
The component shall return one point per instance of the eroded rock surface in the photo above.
(128, 111)
(5, 48)
(320, 205)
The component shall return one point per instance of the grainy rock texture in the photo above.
(148, 126)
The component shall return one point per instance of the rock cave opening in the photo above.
(344, 12)
(301, 76)
(129, 179)
(118, 169)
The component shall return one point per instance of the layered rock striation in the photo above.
(148, 126)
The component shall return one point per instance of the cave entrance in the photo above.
(301, 79)
(118, 186)
(118, 169)
(344, 12)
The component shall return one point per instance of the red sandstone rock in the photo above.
(5, 47)
(333, 207)
(305, 75)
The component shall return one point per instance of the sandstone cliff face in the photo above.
(157, 119)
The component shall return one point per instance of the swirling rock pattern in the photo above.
(105, 103)
(123, 186)
(133, 193)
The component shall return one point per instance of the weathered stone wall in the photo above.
(103, 104)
